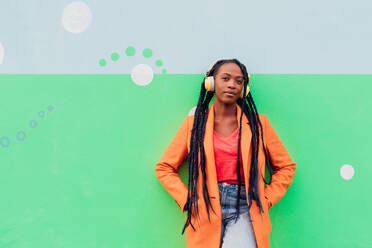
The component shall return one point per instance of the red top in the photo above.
(225, 154)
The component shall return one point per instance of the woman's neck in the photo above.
(224, 111)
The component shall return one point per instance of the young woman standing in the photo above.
(228, 146)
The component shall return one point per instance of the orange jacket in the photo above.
(207, 234)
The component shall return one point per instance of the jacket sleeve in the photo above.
(283, 166)
(166, 169)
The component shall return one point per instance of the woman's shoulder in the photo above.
(262, 116)
(190, 119)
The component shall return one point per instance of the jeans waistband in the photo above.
(230, 184)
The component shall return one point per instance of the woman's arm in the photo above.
(166, 169)
(283, 166)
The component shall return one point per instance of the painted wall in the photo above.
(93, 92)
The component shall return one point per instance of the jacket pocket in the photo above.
(268, 202)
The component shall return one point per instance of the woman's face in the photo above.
(228, 83)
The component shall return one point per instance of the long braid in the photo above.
(196, 143)
(254, 122)
(238, 166)
(193, 173)
(268, 162)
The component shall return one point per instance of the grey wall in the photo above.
(268, 36)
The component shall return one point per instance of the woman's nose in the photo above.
(231, 83)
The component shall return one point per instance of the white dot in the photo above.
(142, 74)
(347, 171)
(76, 17)
(192, 111)
(1, 53)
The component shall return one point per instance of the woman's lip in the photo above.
(229, 94)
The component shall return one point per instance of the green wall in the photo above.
(82, 172)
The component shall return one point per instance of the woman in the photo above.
(227, 200)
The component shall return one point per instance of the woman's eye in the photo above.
(225, 78)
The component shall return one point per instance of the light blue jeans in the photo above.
(239, 234)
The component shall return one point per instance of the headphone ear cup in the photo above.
(246, 93)
(248, 86)
(209, 83)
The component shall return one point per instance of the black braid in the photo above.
(197, 143)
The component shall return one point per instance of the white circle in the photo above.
(76, 17)
(142, 74)
(192, 111)
(347, 171)
(1, 53)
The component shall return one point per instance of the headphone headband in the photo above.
(210, 68)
